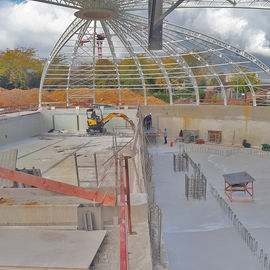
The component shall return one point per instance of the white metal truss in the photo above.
(190, 62)
(74, 53)
(109, 38)
(135, 34)
(128, 46)
(134, 5)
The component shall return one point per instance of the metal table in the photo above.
(240, 181)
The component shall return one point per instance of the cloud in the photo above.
(259, 44)
(246, 29)
(38, 25)
(32, 24)
(223, 22)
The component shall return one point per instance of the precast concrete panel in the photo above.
(67, 121)
(19, 127)
(235, 122)
(46, 121)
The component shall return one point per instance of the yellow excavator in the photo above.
(96, 123)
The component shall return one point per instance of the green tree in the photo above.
(19, 68)
(242, 83)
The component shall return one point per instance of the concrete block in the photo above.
(90, 217)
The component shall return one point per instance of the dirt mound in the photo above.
(128, 97)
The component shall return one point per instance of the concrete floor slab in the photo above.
(197, 234)
(254, 215)
(48, 249)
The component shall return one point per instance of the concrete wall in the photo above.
(19, 127)
(235, 122)
(71, 119)
(16, 127)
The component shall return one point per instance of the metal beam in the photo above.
(155, 25)
(169, 10)
(70, 31)
(58, 187)
(155, 22)
(61, 3)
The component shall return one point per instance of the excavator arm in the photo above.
(121, 115)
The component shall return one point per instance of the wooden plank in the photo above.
(59, 187)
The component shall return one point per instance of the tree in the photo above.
(238, 79)
(19, 68)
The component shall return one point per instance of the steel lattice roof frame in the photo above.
(179, 42)
(143, 4)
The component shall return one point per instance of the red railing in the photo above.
(123, 227)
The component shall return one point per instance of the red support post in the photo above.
(123, 231)
(59, 187)
(128, 196)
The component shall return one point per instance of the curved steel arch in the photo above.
(237, 67)
(74, 53)
(75, 26)
(134, 56)
(132, 36)
(223, 45)
(156, 59)
(180, 60)
(108, 35)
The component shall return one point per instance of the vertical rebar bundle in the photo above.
(195, 185)
(180, 162)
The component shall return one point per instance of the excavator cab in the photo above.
(94, 122)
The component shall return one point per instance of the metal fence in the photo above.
(154, 212)
(223, 151)
(243, 232)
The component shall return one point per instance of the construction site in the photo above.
(67, 192)
(145, 147)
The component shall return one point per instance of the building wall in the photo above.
(235, 122)
(16, 127)
(19, 127)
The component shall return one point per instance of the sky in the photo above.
(39, 25)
